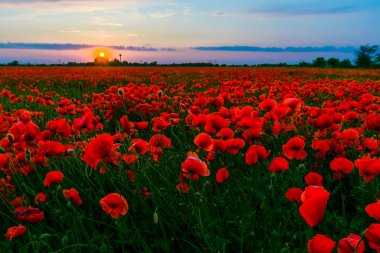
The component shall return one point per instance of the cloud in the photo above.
(43, 46)
(162, 14)
(66, 6)
(70, 30)
(103, 22)
(48, 46)
(295, 8)
(348, 49)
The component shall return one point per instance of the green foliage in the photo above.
(365, 55)
(319, 62)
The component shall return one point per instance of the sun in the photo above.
(101, 54)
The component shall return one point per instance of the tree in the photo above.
(365, 55)
(377, 61)
(319, 62)
(13, 63)
(333, 62)
(346, 63)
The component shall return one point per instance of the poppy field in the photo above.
(160, 159)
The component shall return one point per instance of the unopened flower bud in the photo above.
(120, 91)
(10, 137)
(155, 217)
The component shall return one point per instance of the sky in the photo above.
(238, 31)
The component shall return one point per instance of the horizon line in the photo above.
(235, 48)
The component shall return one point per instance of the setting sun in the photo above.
(104, 53)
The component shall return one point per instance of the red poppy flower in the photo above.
(280, 111)
(256, 153)
(294, 148)
(129, 159)
(160, 141)
(40, 198)
(350, 244)
(222, 175)
(252, 133)
(225, 133)
(115, 205)
(31, 131)
(125, 124)
(16, 131)
(140, 146)
(72, 195)
(314, 201)
(53, 177)
(204, 141)
(195, 166)
(320, 145)
(51, 148)
(15, 231)
(183, 187)
(373, 210)
(278, 164)
(233, 145)
(101, 148)
(159, 124)
(350, 136)
(61, 127)
(368, 168)
(369, 145)
(29, 214)
(88, 121)
(145, 194)
(351, 116)
(156, 153)
(199, 120)
(320, 244)
(373, 236)
(143, 125)
(19, 201)
(323, 121)
(294, 194)
(372, 122)
(267, 104)
(341, 165)
(313, 178)
(215, 122)
(294, 103)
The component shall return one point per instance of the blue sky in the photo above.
(189, 24)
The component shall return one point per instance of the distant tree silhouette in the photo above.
(365, 55)
(319, 62)
(13, 63)
(346, 63)
(333, 62)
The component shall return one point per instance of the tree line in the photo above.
(366, 56)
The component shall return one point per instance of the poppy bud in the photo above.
(10, 137)
(120, 91)
(70, 151)
(155, 217)
(301, 166)
(2, 150)
(183, 106)
(160, 93)
(43, 236)
(65, 240)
